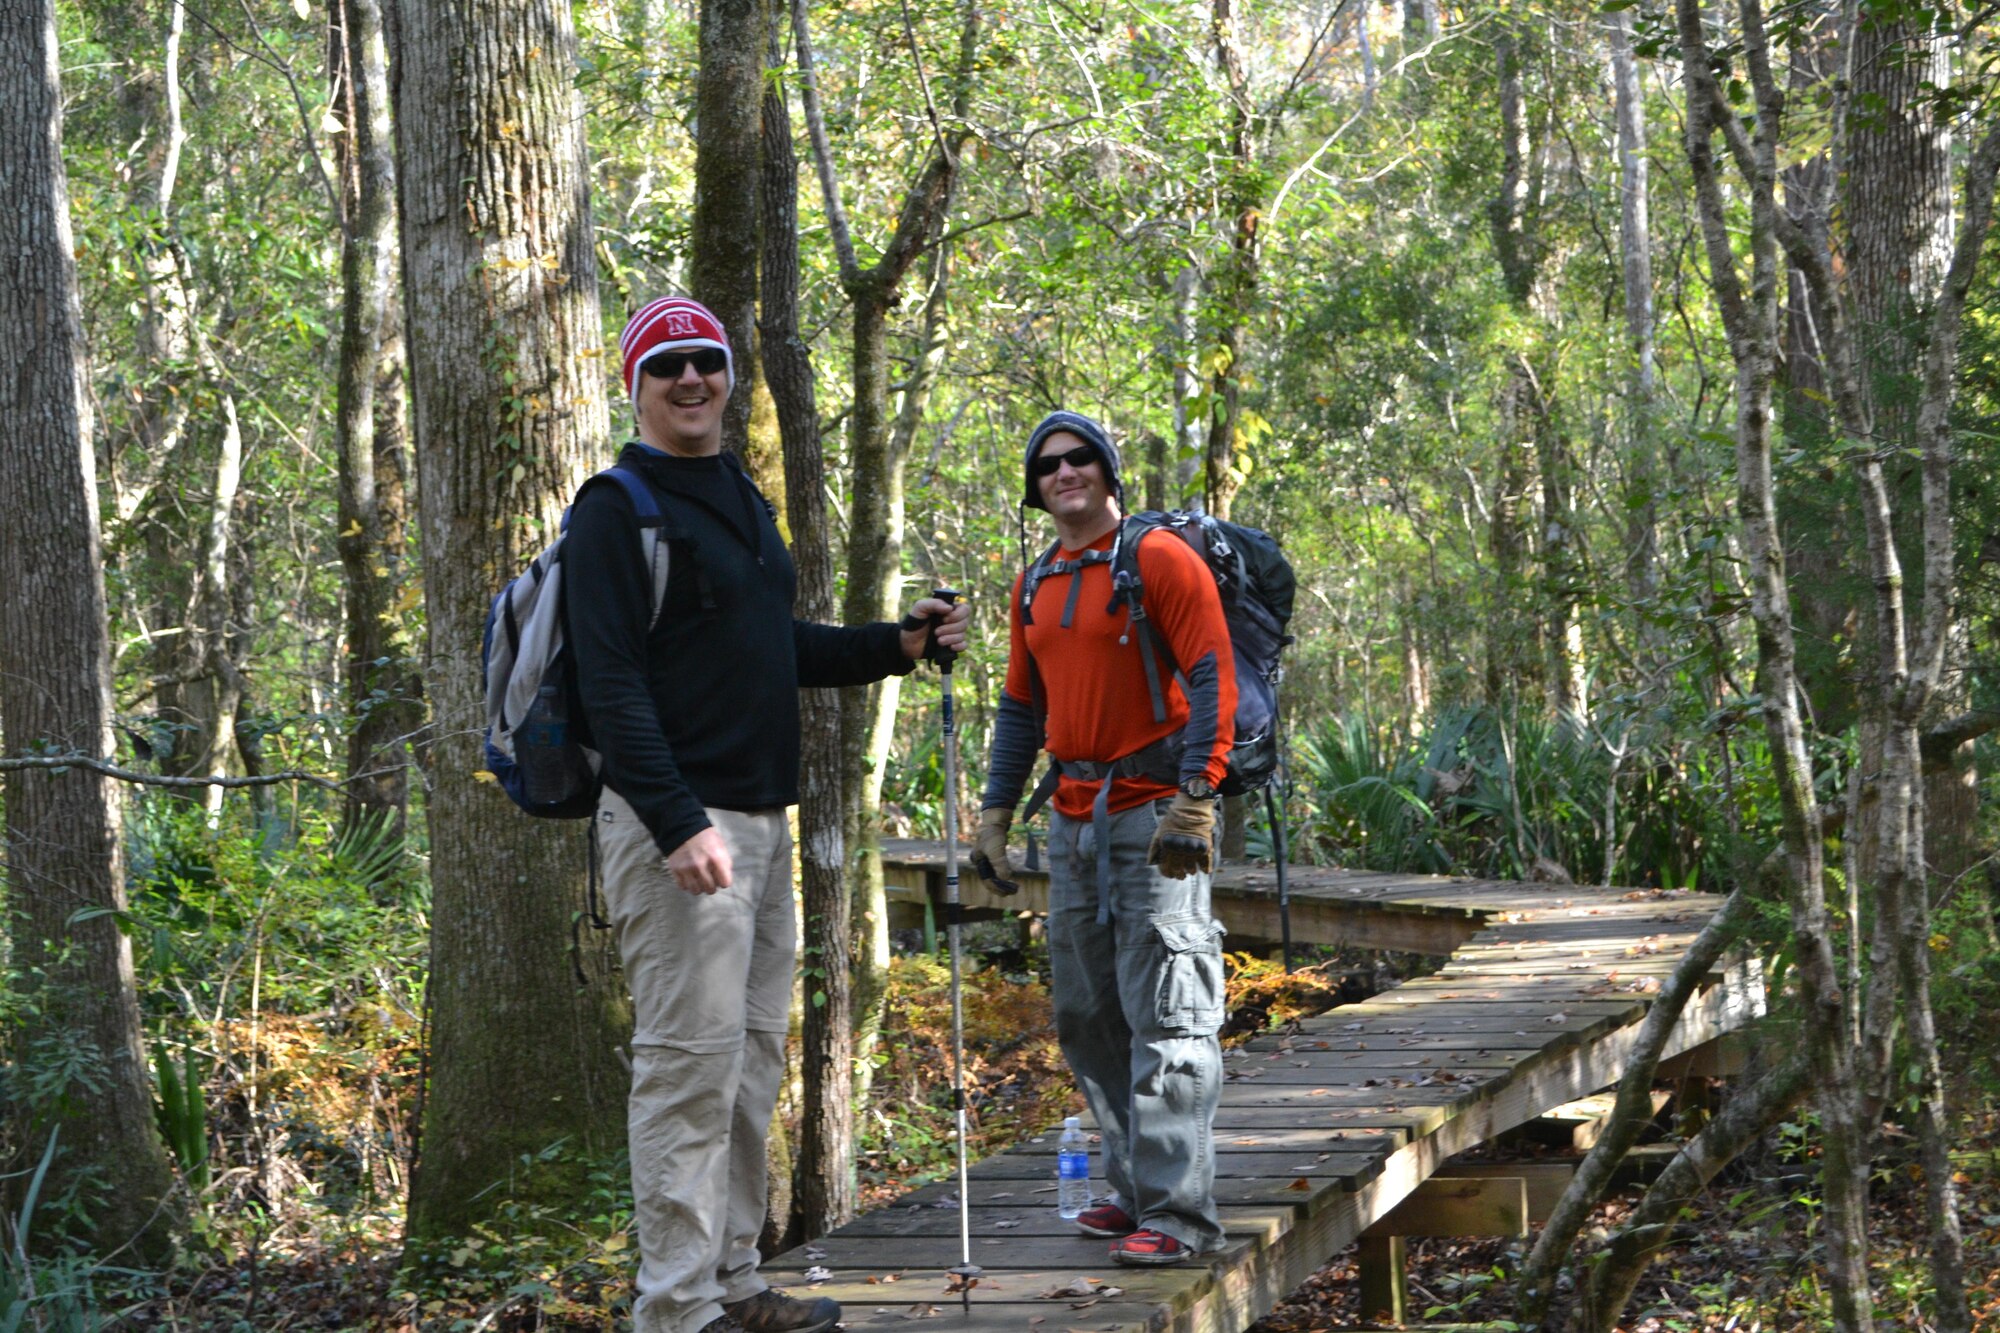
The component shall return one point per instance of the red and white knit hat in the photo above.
(663, 325)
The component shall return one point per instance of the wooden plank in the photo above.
(1229, 1161)
(1459, 1206)
(1726, 1057)
(1027, 1291)
(1545, 1180)
(1578, 1125)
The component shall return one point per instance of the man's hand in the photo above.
(701, 864)
(950, 629)
(995, 870)
(1181, 843)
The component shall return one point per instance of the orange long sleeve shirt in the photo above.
(1099, 708)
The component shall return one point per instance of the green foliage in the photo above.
(183, 1114)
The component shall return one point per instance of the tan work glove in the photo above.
(990, 858)
(1182, 841)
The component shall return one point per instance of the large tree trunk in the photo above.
(383, 686)
(824, 1188)
(722, 273)
(500, 287)
(65, 868)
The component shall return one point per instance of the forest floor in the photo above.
(1744, 1262)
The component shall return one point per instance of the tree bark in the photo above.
(500, 287)
(722, 273)
(65, 863)
(824, 1182)
(384, 689)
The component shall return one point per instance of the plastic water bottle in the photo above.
(1072, 1171)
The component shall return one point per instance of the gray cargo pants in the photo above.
(1138, 1001)
(711, 982)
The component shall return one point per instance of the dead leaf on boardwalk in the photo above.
(1007, 1224)
(920, 1311)
(1034, 1319)
(1084, 1305)
(1083, 1286)
(1247, 1143)
(1353, 1027)
(957, 1283)
(1300, 1184)
(1001, 1194)
(1556, 1018)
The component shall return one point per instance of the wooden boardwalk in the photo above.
(1323, 1129)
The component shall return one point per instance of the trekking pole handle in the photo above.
(944, 657)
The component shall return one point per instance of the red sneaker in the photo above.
(1107, 1219)
(1149, 1248)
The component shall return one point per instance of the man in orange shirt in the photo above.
(1135, 953)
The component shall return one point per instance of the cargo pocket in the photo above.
(1190, 994)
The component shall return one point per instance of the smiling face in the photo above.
(682, 415)
(1077, 495)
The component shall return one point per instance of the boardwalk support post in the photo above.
(1384, 1288)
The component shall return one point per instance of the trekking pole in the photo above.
(967, 1272)
(1276, 816)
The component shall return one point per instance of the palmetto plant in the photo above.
(1507, 794)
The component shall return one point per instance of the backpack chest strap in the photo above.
(1049, 565)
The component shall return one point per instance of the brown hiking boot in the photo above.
(722, 1323)
(771, 1311)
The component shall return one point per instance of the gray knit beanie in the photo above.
(1085, 429)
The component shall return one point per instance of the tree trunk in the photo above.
(1235, 285)
(1642, 553)
(64, 851)
(722, 273)
(1751, 317)
(1750, 1114)
(383, 688)
(500, 287)
(824, 1180)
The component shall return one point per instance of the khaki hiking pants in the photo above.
(711, 982)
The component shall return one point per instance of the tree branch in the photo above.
(836, 214)
(1934, 434)
(61, 762)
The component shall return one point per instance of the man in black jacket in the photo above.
(695, 712)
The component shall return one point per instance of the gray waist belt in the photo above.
(1160, 761)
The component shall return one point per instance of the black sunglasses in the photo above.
(1045, 465)
(668, 365)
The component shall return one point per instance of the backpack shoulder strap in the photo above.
(1031, 580)
(1129, 589)
(653, 527)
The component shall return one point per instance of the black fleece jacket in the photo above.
(704, 709)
